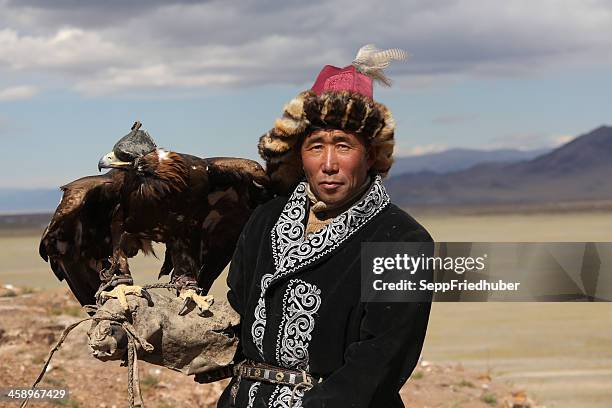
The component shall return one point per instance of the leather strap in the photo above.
(252, 370)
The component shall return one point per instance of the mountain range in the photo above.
(29, 200)
(459, 159)
(580, 170)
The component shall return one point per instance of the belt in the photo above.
(253, 370)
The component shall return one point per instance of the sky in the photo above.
(208, 78)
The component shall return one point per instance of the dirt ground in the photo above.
(31, 322)
(559, 353)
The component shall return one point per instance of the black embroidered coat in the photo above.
(299, 301)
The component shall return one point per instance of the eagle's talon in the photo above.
(184, 308)
(114, 281)
(203, 303)
(119, 292)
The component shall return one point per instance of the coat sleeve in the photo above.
(376, 367)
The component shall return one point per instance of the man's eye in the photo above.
(343, 147)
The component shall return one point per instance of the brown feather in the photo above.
(197, 207)
(77, 241)
(164, 175)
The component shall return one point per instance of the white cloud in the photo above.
(68, 50)
(420, 150)
(194, 44)
(18, 92)
(558, 140)
(530, 141)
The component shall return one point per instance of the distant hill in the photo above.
(459, 159)
(29, 200)
(578, 170)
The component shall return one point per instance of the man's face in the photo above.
(336, 164)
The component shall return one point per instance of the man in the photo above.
(307, 338)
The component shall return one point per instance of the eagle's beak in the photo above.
(110, 161)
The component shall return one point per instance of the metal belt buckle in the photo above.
(280, 376)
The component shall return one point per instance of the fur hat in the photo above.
(341, 98)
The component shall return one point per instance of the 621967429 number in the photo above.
(38, 394)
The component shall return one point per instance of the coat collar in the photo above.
(292, 251)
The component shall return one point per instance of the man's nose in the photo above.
(330, 163)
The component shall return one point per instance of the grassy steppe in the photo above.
(560, 352)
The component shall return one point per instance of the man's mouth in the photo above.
(329, 185)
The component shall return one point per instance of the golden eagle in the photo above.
(196, 206)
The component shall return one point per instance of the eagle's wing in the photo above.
(236, 187)
(239, 173)
(77, 242)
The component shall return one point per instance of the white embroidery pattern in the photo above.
(282, 395)
(252, 393)
(292, 250)
(259, 325)
(300, 303)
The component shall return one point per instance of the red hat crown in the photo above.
(334, 79)
(368, 65)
